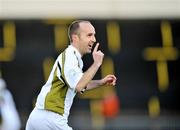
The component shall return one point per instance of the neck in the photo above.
(78, 49)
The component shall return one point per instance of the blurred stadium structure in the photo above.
(89, 9)
(141, 42)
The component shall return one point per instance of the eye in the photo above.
(90, 34)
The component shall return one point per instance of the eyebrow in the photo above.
(90, 34)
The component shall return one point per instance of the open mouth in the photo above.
(90, 46)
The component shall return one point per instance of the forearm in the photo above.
(107, 80)
(94, 84)
(87, 77)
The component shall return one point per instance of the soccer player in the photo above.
(67, 78)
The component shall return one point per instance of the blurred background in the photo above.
(141, 42)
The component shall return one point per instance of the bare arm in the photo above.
(89, 74)
(107, 80)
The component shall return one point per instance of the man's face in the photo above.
(86, 38)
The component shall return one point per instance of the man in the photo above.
(66, 79)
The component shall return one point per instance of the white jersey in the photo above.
(58, 93)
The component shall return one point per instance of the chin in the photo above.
(89, 51)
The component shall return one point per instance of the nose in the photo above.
(94, 39)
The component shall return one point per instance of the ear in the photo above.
(75, 37)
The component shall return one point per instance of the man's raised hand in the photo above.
(97, 55)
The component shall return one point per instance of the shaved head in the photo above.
(74, 28)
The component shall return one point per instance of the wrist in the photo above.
(97, 65)
(101, 83)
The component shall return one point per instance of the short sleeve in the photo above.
(72, 70)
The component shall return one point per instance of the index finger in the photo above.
(96, 47)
